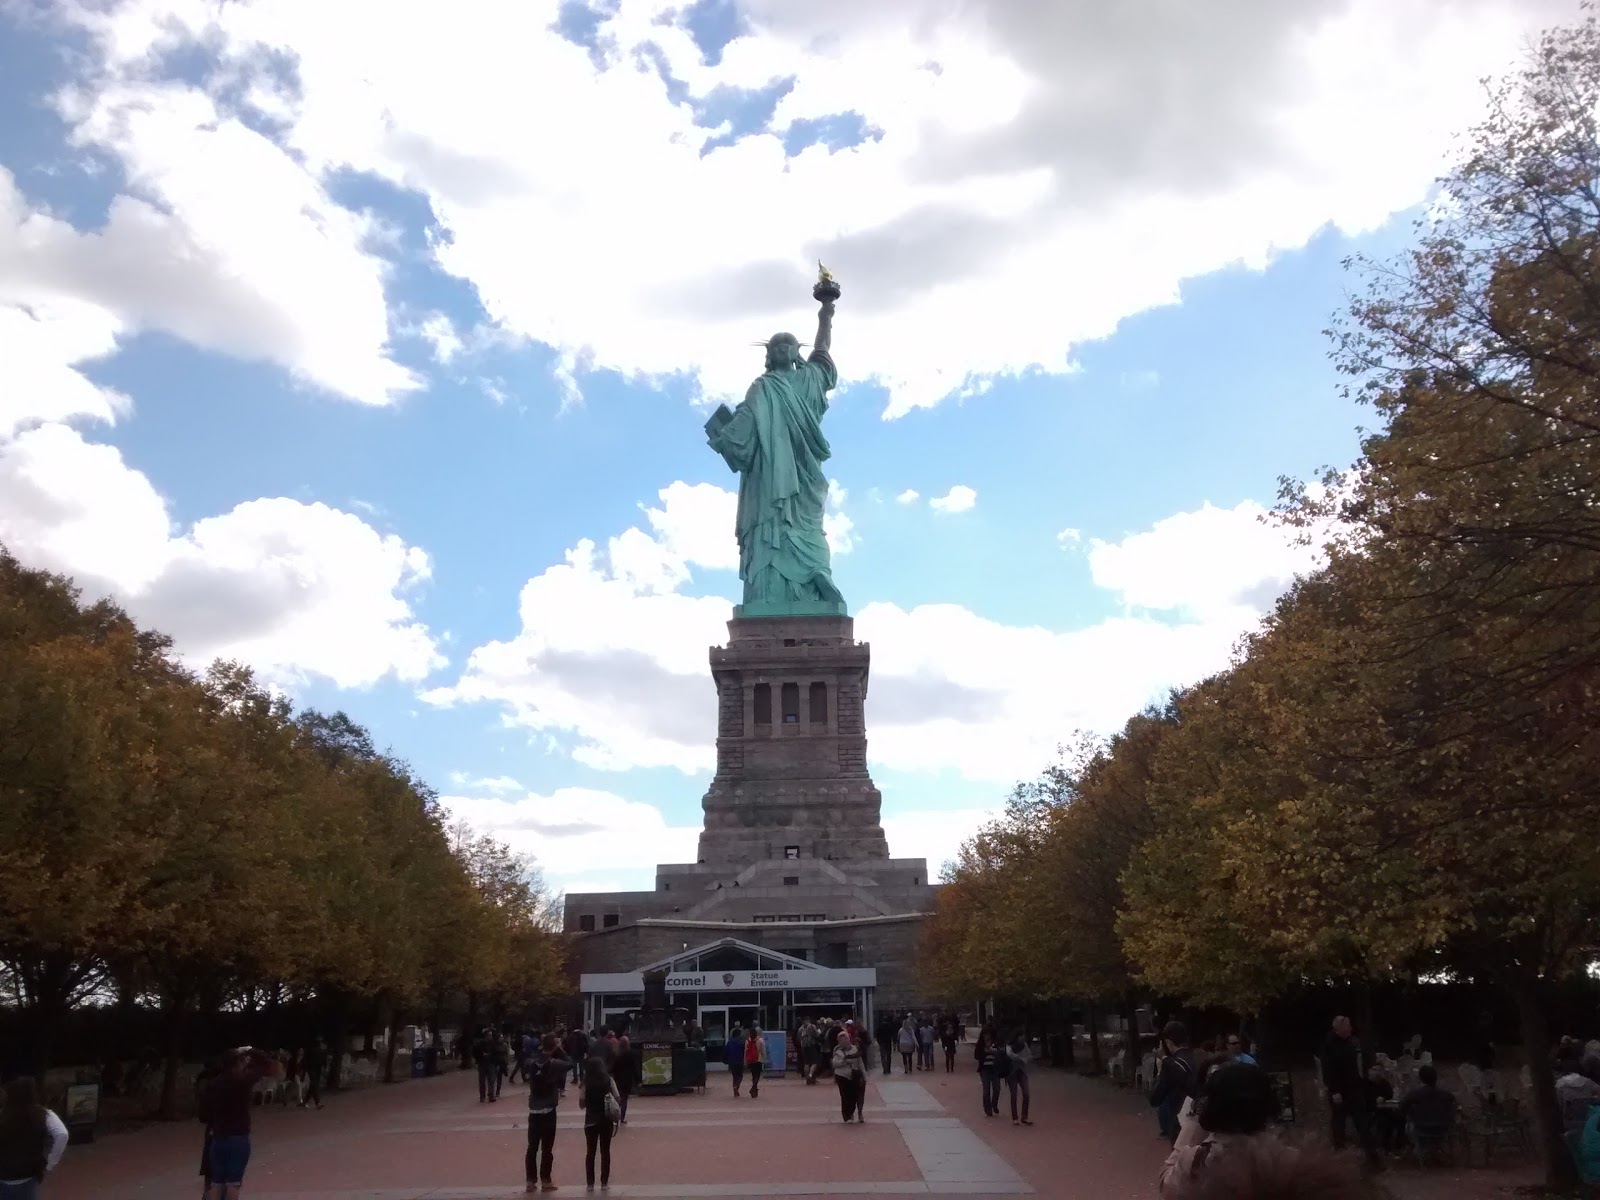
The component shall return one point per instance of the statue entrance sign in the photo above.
(774, 441)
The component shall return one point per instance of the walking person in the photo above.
(228, 1114)
(850, 1073)
(545, 1072)
(1017, 1076)
(987, 1054)
(733, 1055)
(806, 1036)
(32, 1140)
(885, 1038)
(1175, 1081)
(755, 1058)
(947, 1039)
(483, 1058)
(315, 1066)
(577, 1051)
(906, 1041)
(602, 1110)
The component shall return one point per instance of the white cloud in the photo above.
(1203, 563)
(440, 333)
(696, 523)
(933, 834)
(1019, 144)
(837, 526)
(909, 496)
(1069, 537)
(221, 238)
(958, 499)
(612, 655)
(575, 831)
(45, 346)
(495, 783)
(295, 590)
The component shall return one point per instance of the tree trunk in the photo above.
(174, 1003)
(336, 1048)
(1366, 1016)
(469, 1028)
(1092, 1024)
(1559, 1170)
(1130, 1014)
(392, 1043)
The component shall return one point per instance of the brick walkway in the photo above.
(432, 1140)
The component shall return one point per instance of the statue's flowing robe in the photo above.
(774, 440)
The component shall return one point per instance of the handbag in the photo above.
(613, 1105)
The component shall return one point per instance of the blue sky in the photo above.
(380, 361)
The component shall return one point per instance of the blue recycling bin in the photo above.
(419, 1063)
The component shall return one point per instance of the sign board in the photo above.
(735, 981)
(655, 1066)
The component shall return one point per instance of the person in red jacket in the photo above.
(755, 1058)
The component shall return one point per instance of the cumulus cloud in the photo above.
(611, 656)
(220, 238)
(1205, 562)
(574, 830)
(296, 590)
(909, 496)
(837, 526)
(958, 499)
(1015, 145)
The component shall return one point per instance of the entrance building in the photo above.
(730, 982)
(793, 873)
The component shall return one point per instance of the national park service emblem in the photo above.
(727, 979)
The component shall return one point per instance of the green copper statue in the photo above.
(774, 441)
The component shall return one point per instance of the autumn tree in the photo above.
(190, 839)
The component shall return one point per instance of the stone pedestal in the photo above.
(791, 777)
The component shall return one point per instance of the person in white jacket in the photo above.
(32, 1140)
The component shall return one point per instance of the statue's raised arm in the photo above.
(826, 292)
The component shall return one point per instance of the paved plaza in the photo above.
(924, 1136)
(431, 1140)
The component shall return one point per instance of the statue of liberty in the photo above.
(774, 441)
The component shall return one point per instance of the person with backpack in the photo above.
(625, 1074)
(602, 1107)
(755, 1059)
(1175, 1081)
(545, 1072)
(988, 1051)
(32, 1140)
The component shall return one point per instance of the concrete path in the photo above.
(924, 1136)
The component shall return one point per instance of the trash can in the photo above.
(419, 1063)
(82, 1107)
